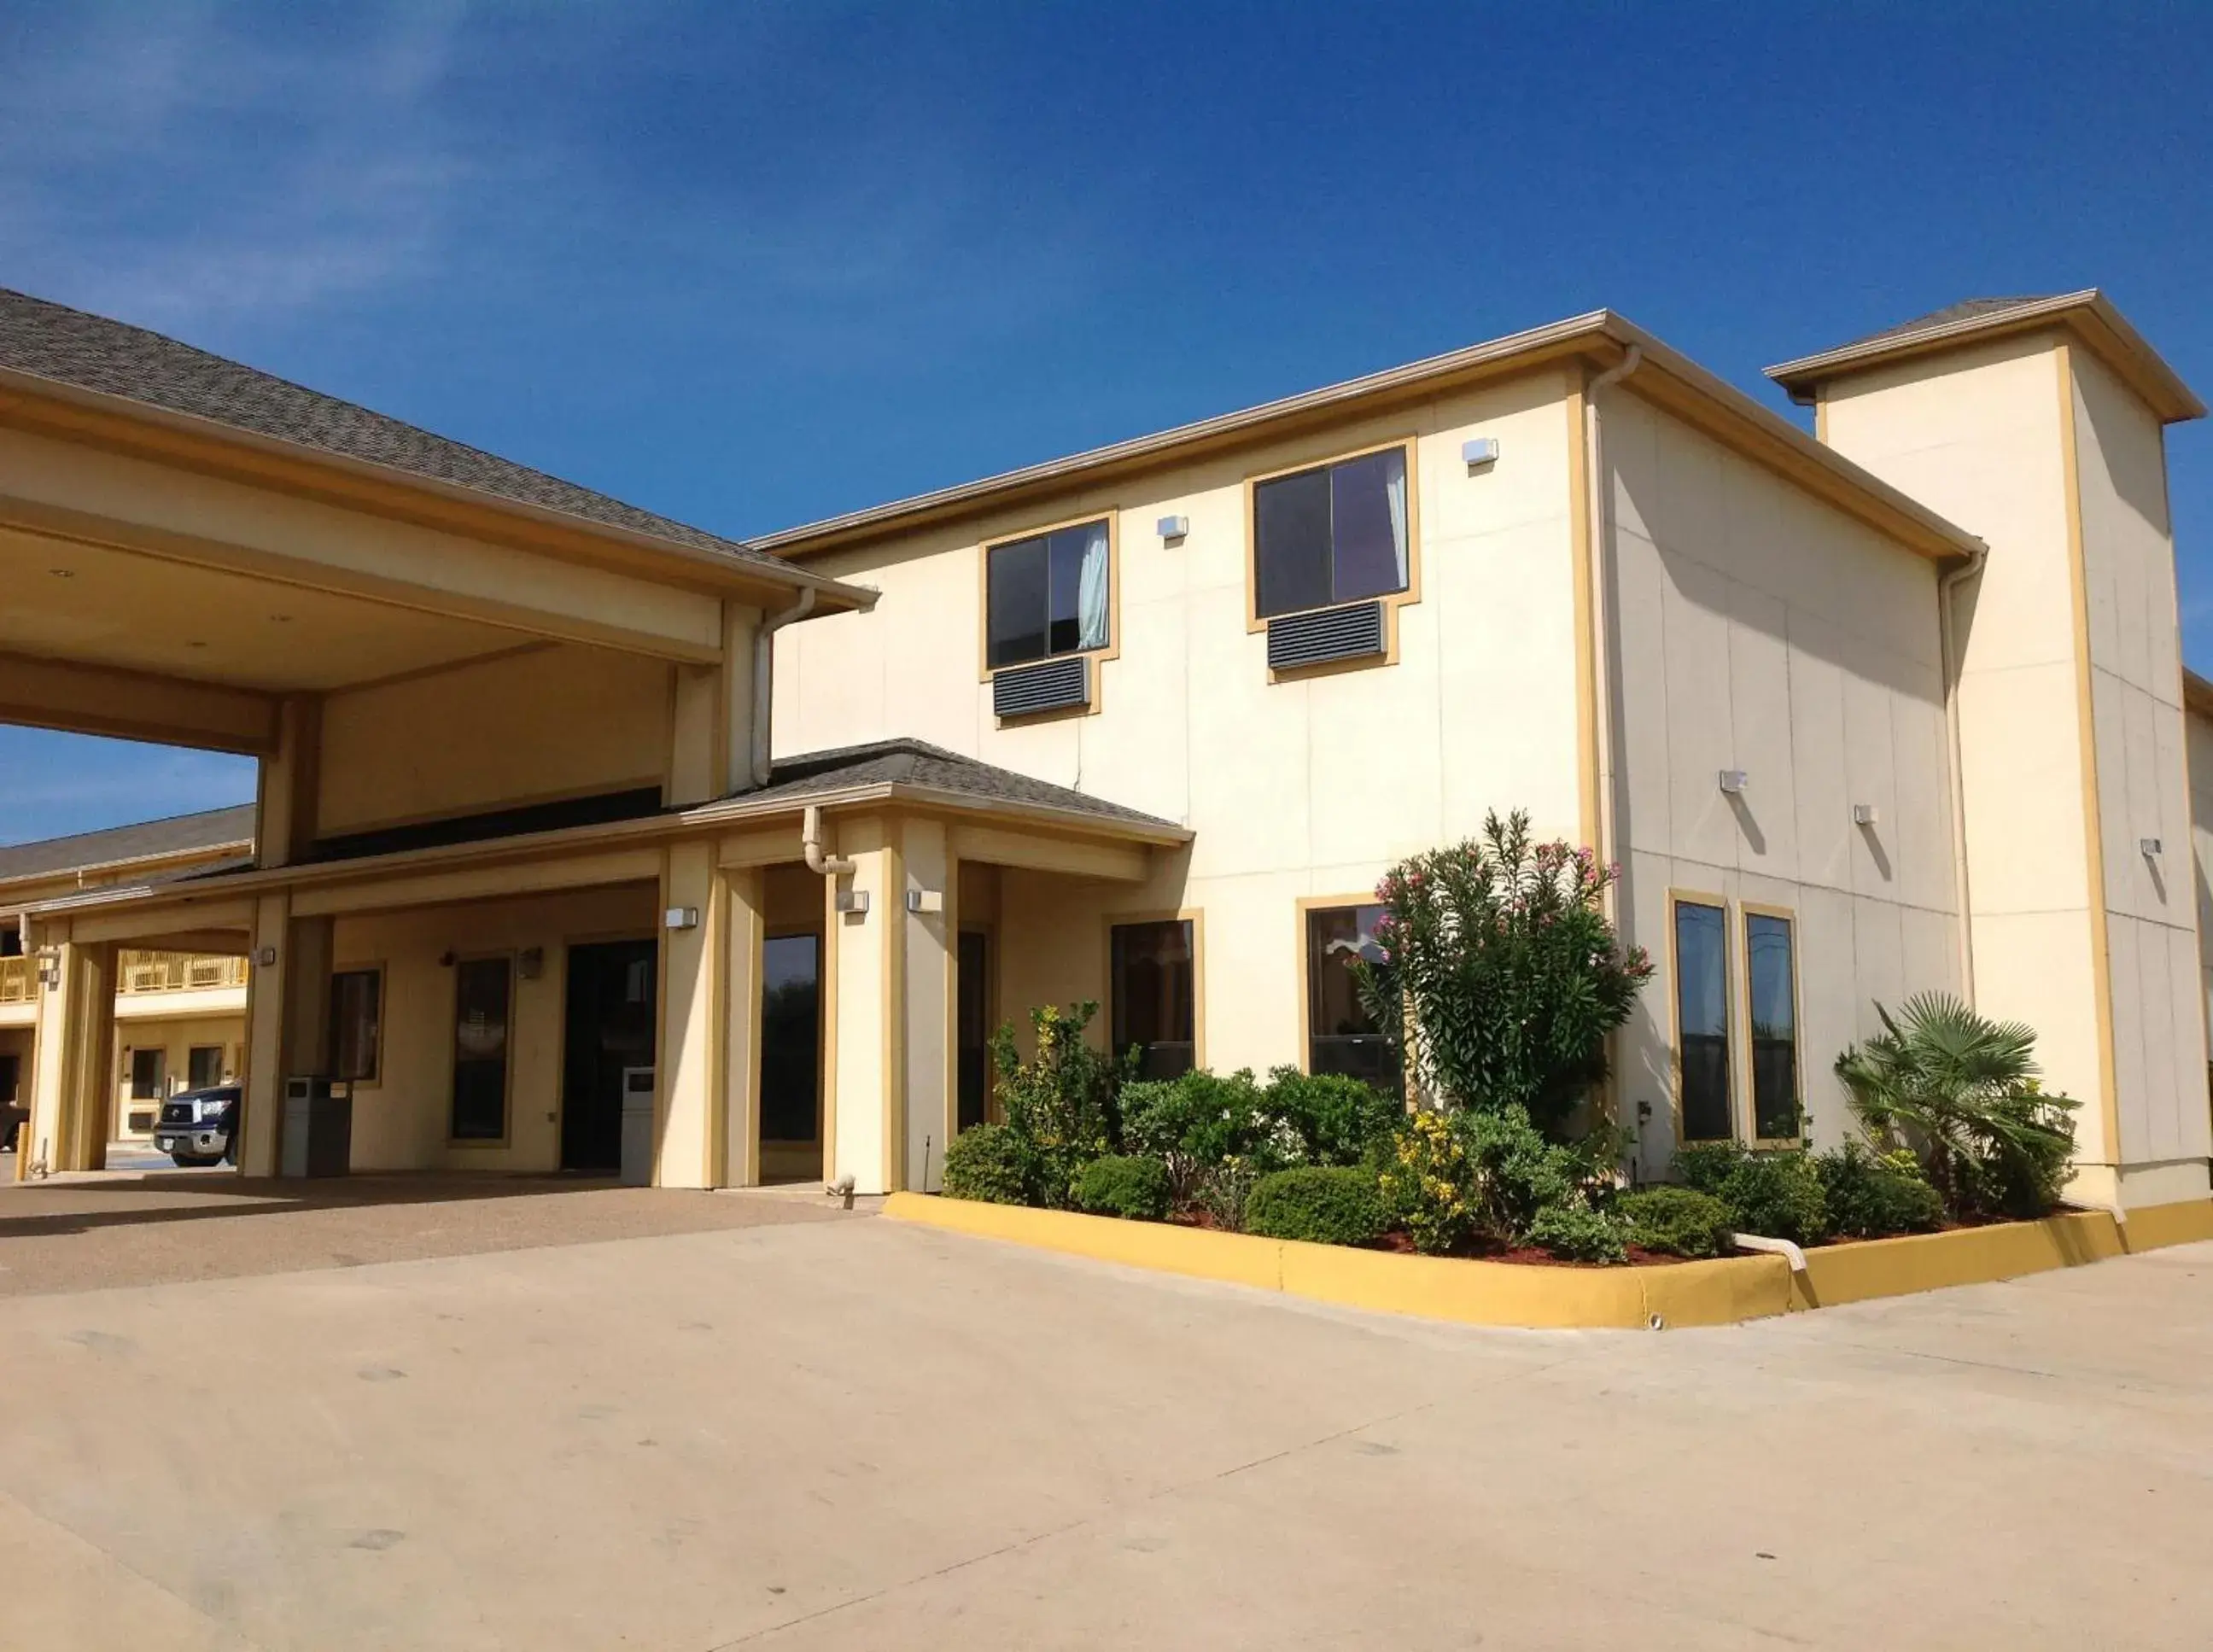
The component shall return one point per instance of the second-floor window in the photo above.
(1047, 594)
(1334, 533)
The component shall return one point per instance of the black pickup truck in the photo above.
(199, 1127)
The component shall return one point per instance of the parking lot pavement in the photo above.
(853, 1433)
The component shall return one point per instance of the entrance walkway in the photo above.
(827, 1433)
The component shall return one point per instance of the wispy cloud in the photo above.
(182, 165)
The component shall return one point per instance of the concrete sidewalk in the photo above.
(861, 1434)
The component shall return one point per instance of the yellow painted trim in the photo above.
(826, 1105)
(2109, 1103)
(1685, 1294)
(1581, 550)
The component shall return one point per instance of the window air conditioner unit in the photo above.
(1050, 686)
(1323, 635)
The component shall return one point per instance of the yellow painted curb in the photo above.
(1720, 1292)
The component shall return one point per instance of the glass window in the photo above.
(1046, 595)
(1702, 1020)
(1152, 989)
(203, 1066)
(148, 1068)
(1336, 534)
(1341, 1037)
(1768, 967)
(356, 1010)
(482, 987)
(791, 1038)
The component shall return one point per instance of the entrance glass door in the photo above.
(973, 1014)
(610, 1026)
(791, 1057)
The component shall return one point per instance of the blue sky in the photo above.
(753, 265)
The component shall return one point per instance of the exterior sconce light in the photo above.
(530, 963)
(1734, 781)
(2149, 847)
(266, 957)
(925, 900)
(1479, 451)
(446, 958)
(1865, 815)
(853, 900)
(680, 918)
(1173, 527)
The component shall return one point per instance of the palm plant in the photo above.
(1961, 1090)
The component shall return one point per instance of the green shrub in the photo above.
(1498, 953)
(1427, 1184)
(1777, 1194)
(1960, 1090)
(1675, 1221)
(1122, 1184)
(1576, 1233)
(989, 1162)
(1221, 1189)
(1198, 1123)
(1061, 1105)
(1704, 1166)
(1338, 1120)
(1869, 1195)
(1325, 1204)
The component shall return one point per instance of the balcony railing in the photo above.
(19, 980)
(176, 972)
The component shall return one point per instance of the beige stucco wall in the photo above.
(400, 1122)
(547, 722)
(1982, 434)
(176, 1038)
(1302, 788)
(1760, 629)
(2198, 733)
(2143, 781)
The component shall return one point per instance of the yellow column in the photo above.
(694, 902)
(929, 922)
(73, 1077)
(861, 960)
(287, 994)
(737, 1151)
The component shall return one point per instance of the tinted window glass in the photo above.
(1152, 990)
(1341, 1036)
(1702, 1011)
(1290, 541)
(1047, 594)
(1367, 504)
(1768, 968)
(481, 987)
(1336, 534)
(791, 1037)
(1018, 583)
(356, 1005)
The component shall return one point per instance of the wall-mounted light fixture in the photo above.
(446, 958)
(1173, 527)
(1480, 450)
(853, 900)
(925, 900)
(1865, 815)
(2149, 847)
(1734, 781)
(266, 957)
(530, 963)
(680, 918)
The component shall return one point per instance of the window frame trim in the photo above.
(1112, 649)
(1748, 1124)
(1194, 916)
(1679, 897)
(506, 1138)
(376, 968)
(1255, 623)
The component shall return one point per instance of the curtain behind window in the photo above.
(1092, 589)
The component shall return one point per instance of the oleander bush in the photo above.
(1675, 1221)
(1323, 1204)
(991, 1163)
(1123, 1185)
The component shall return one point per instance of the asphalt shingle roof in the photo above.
(917, 763)
(1967, 310)
(92, 352)
(180, 834)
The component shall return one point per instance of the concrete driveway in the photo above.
(849, 1433)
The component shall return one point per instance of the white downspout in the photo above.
(810, 842)
(1947, 589)
(764, 678)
